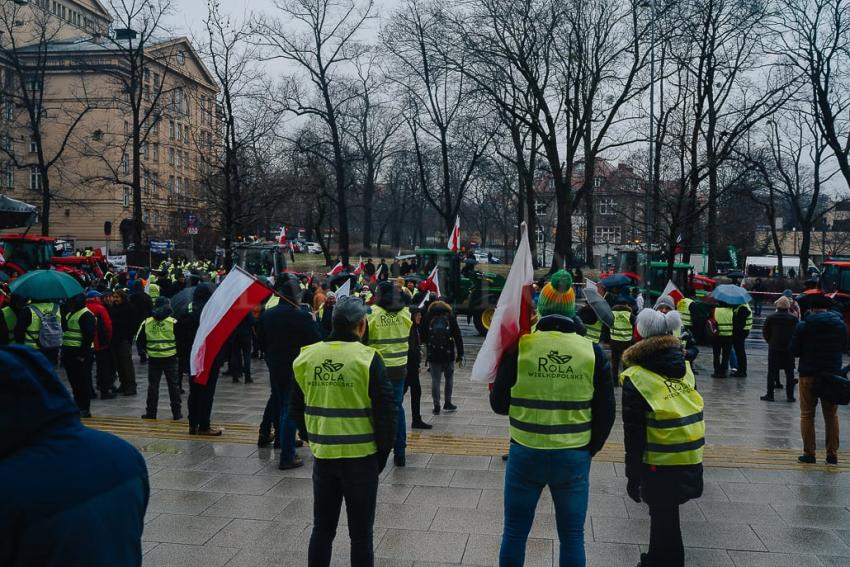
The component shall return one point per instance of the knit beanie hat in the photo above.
(783, 303)
(557, 297)
(665, 301)
(651, 323)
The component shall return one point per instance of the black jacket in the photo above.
(441, 309)
(384, 416)
(282, 331)
(819, 341)
(740, 320)
(670, 485)
(603, 405)
(124, 322)
(778, 330)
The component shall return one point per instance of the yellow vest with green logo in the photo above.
(622, 330)
(594, 331)
(748, 325)
(11, 320)
(334, 377)
(159, 336)
(73, 335)
(724, 317)
(675, 430)
(684, 309)
(31, 338)
(388, 334)
(550, 402)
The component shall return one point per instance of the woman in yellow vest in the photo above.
(556, 388)
(664, 433)
(723, 317)
(78, 326)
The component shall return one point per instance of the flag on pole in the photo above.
(424, 300)
(513, 314)
(237, 296)
(338, 269)
(454, 236)
(377, 274)
(360, 267)
(432, 282)
(281, 238)
(345, 289)
(674, 292)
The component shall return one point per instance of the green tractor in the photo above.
(259, 258)
(469, 291)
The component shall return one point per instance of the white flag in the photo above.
(345, 289)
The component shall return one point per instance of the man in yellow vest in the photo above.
(622, 333)
(10, 318)
(160, 343)
(556, 388)
(723, 316)
(79, 326)
(344, 399)
(664, 433)
(741, 327)
(388, 331)
(684, 309)
(28, 328)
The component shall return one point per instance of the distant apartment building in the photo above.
(88, 112)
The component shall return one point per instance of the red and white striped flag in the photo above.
(377, 274)
(513, 314)
(454, 236)
(673, 291)
(360, 266)
(231, 301)
(281, 238)
(338, 269)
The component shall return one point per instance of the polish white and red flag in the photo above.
(281, 238)
(232, 300)
(674, 292)
(454, 236)
(431, 285)
(377, 274)
(360, 267)
(512, 318)
(338, 269)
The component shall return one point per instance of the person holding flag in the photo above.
(557, 388)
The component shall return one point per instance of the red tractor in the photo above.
(24, 253)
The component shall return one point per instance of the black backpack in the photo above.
(440, 342)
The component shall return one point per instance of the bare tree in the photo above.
(31, 108)
(320, 39)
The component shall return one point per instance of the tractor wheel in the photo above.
(483, 319)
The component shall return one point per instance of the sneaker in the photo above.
(399, 460)
(211, 432)
(419, 424)
(265, 439)
(449, 407)
(148, 416)
(436, 410)
(807, 459)
(293, 465)
(832, 459)
(767, 398)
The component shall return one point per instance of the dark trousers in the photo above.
(722, 347)
(240, 358)
(157, 367)
(617, 350)
(271, 415)
(355, 481)
(780, 360)
(141, 348)
(199, 404)
(411, 382)
(105, 370)
(665, 538)
(740, 344)
(78, 363)
(122, 354)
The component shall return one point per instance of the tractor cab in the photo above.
(686, 280)
(471, 292)
(259, 258)
(25, 253)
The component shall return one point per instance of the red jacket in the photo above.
(103, 336)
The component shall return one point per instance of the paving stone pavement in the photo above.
(215, 504)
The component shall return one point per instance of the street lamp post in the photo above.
(647, 214)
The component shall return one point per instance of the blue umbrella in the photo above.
(616, 280)
(731, 294)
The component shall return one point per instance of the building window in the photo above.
(145, 150)
(147, 183)
(126, 128)
(35, 179)
(33, 146)
(156, 152)
(597, 181)
(178, 183)
(126, 197)
(609, 234)
(9, 177)
(155, 182)
(125, 163)
(146, 215)
(147, 75)
(186, 134)
(181, 56)
(606, 206)
(156, 217)
(170, 185)
(170, 156)
(148, 93)
(8, 110)
(171, 129)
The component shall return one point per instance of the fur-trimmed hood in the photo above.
(662, 355)
(622, 307)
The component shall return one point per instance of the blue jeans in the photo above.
(287, 426)
(567, 473)
(401, 432)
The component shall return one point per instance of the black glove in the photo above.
(633, 490)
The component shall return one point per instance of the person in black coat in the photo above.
(777, 332)
(663, 488)
(72, 496)
(283, 330)
(443, 352)
(414, 360)
(142, 307)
